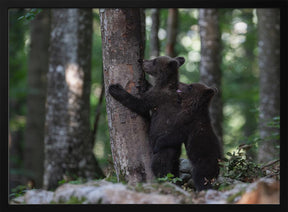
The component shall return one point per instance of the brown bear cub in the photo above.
(157, 104)
(192, 125)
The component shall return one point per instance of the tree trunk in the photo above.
(172, 27)
(17, 68)
(122, 47)
(154, 40)
(37, 71)
(210, 72)
(269, 65)
(68, 143)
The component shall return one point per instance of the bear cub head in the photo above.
(162, 66)
(196, 96)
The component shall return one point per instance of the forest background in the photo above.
(240, 82)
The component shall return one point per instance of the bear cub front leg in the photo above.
(117, 91)
(135, 104)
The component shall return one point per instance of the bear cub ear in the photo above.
(210, 92)
(176, 62)
(180, 60)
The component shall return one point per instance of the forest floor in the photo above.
(262, 191)
(240, 184)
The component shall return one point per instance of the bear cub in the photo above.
(158, 104)
(193, 126)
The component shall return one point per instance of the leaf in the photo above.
(229, 154)
(170, 175)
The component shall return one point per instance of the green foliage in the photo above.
(18, 191)
(169, 178)
(30, 14)
(237, 166)
(275, 123)
(112, 178)
(72, 179)
(240, 74)
(18, 58)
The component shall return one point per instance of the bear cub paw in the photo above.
(116, 90)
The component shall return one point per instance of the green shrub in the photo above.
(237, 166)
(169, 178)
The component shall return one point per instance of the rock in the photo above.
(97, 193)
(17, 200)
(185, 166)
(224, 197)
(185, 177)
(185, 173)
(38, 197)
(264, 191)
(109, 194)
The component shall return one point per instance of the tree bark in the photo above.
(121, 48)
(172, 27)
(37, 71)
(154, 40)
(210, 72)
(68, 145)
(269, 65)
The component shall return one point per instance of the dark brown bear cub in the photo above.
(159, 104)
(192, 125)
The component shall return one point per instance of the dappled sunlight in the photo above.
(234, 123)
(74, 77)
(99, 149)
(240, 28)
(194, 56)
(162, 34)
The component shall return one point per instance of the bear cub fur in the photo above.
(157, 104)
(192, 125)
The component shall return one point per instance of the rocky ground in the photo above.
(265, 190)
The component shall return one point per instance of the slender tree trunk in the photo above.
(68, 143)
(269, 65)
(122, 47)
(37, 71)
(16, 66)
(154, 40)
(210, 72)
(172, 27)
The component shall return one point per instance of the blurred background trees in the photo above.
(244, 43)
(36, 97)
(68, 142)
(269, 65)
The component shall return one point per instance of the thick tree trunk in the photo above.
(37, 71)
(68, 143)
(210, 72)
(122, 47)
(154, 40)
(172, 27)
(269, 65)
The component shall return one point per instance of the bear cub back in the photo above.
(202, 145)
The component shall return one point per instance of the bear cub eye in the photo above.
(190, 87)
(154, 62)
